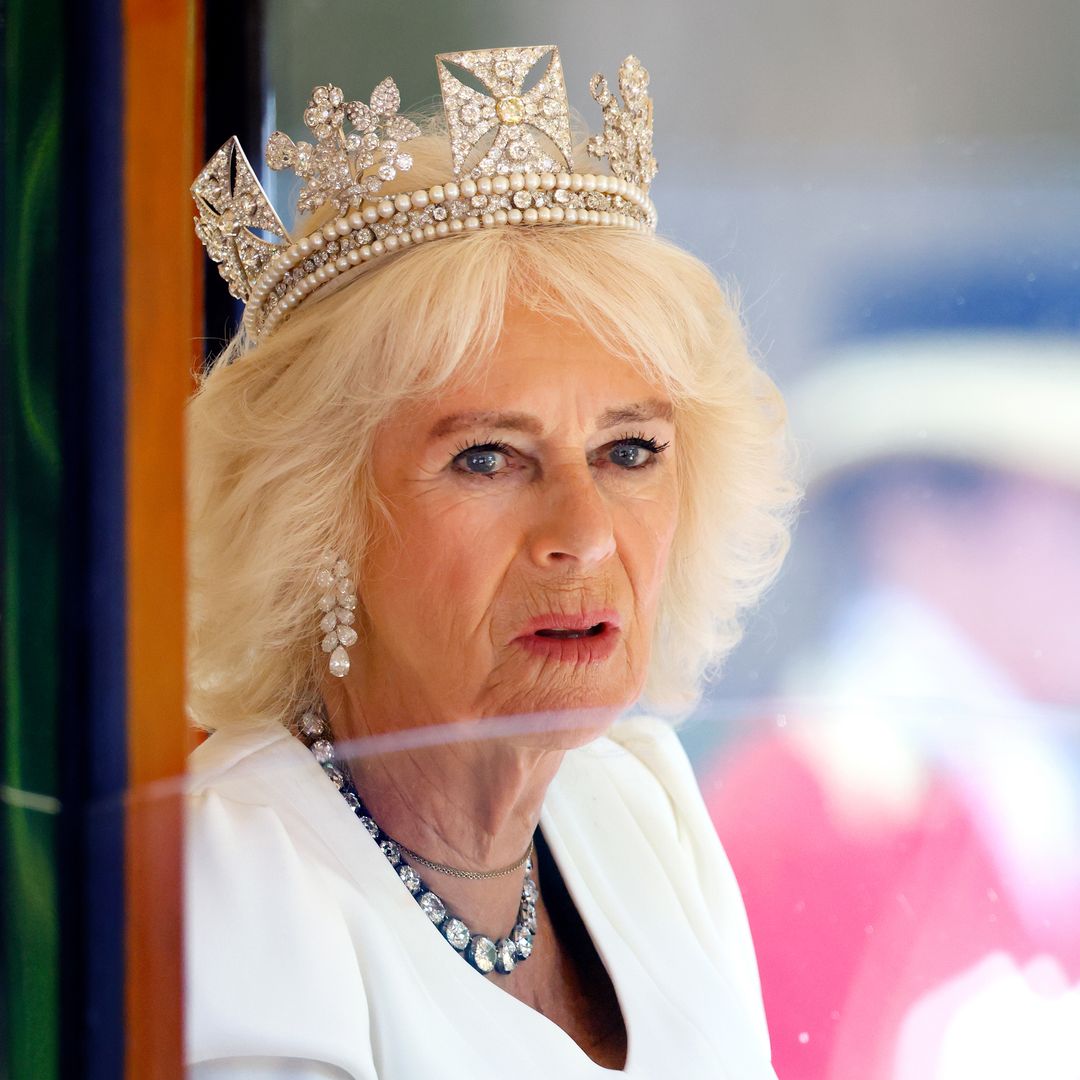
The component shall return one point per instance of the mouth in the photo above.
(587, 638)
(564, 634)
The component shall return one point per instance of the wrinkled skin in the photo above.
(557, 526)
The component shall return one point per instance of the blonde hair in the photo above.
(280, 432)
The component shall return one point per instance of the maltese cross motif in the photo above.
(514, 115)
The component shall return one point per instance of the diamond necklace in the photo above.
(484, 954)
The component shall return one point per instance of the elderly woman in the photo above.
(456, 511)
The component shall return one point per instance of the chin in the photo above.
(568, 724)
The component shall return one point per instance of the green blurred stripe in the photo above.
(32, 630)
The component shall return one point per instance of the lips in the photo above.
(592, 631)
(587, 638)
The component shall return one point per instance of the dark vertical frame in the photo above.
(234, 89)
(64, 749)
(93, 709)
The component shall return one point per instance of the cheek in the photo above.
(445, 565)
(648, 533)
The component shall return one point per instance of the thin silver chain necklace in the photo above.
(481, 952)
(469, 875)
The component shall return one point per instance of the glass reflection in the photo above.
(904, 816)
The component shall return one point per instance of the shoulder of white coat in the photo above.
(270, 965)
(655, 745)
(627, 761)
(231, 755)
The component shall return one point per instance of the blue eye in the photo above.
(636, 453)
(629, 455)
(483, 460)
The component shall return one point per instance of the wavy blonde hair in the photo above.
(280, 433)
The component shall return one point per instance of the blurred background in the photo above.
(891, 757)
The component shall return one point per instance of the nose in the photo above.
(573, 519)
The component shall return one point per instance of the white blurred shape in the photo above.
(1011, 402)
(996, 1021)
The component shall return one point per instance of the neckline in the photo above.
(575, 886)
(586, 907)
(352, 856)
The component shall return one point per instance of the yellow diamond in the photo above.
(510, 110)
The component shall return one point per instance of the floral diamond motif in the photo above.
(627, 136)
(335, 164)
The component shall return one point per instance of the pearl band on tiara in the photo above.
(515, 181)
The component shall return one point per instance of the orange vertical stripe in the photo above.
(162, 139)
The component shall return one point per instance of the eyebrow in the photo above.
(653, 409)
(634, 413)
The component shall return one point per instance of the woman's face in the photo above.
(532, 519)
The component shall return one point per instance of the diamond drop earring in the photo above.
(337, 602)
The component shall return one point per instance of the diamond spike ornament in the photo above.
(626, 140)
(513, 114)
(231, 202)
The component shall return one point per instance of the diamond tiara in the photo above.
(510, 179)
